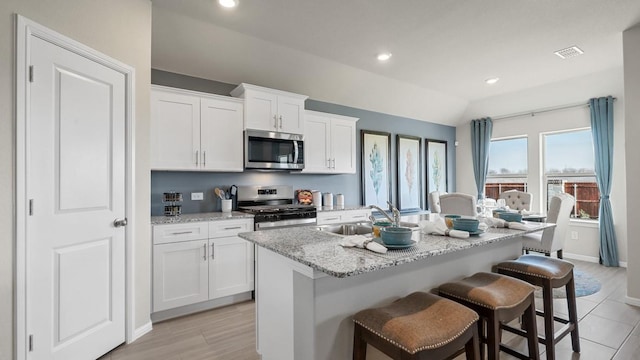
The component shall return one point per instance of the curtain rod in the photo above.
(540, 111)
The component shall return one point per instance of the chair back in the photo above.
(434, 202)
(458, 203)
(517, 200)
(559, 212)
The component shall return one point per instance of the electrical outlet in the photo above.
(197, 196)
(574, 235)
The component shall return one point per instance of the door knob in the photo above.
(120, 222)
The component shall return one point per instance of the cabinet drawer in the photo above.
(226, 228)
(330, 217)
(170, 233)
(360, 215)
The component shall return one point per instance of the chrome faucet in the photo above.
(396, 213)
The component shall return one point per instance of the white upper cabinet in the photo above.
(195, 131)
(271, 110)
(330, 143)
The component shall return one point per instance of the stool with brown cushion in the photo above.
(549, 274)
(497, 299)
(418, 326)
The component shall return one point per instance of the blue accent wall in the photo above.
(349, 185)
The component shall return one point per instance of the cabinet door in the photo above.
(221, 135)
(343, 145)
(175, 131)
(180, 274)
(230, 266)
(261, 110)
(316, 144)
(290, 115)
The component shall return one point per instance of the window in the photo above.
(569, 167)
(507, 166)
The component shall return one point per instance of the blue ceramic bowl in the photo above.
(396, 235)
(448, 220)
(509, 216)
(470, 225)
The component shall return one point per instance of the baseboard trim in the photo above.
(142, 330)
(591, 259)
(198, 307)
(632, 301)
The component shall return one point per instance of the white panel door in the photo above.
(221, 135)
(76, 180)
(261, 110)
(180, 274)
(290, 115)
(316, 144)
(230, 266)
(343, 140)
(175, 131)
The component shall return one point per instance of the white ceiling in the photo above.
(442, 50)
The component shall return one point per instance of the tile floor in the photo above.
(609, 329)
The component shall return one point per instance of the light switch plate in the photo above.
(197, 196)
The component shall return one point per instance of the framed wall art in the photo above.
(436, 165)
(409, 172)
(376, 168)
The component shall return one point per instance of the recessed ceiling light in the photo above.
(492, 81)
(569, 52)
(228, 3)
(384, 56)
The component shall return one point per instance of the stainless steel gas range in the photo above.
(273, 207)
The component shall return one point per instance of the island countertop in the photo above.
(322, 251)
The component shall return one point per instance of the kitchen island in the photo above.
(308, 286)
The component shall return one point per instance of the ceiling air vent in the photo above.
(569, 52)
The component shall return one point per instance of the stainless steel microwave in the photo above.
(273, 150)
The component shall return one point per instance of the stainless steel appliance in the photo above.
(273, 207)
(273, 150)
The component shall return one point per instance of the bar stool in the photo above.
(497, 299)
(549, 274)
(418, 326)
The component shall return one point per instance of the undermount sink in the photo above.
(347, 229)
(363, 228)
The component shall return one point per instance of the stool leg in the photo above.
(529, 318)
(573, 314)
(493, 338)
(359, 346)
(472, 348)
(547, 299)
(482, 337)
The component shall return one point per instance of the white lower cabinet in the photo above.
(343, 216)
(187, 271)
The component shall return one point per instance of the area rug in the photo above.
(585, 285)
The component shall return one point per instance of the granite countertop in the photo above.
(321, 250)
(210, 216)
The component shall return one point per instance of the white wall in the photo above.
(631, 44)
(122, 30)
(573, 91)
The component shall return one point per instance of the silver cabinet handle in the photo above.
(334, 163)
(358, 216)
(120, 222)
(280, 121)
(182, 232)
(204, 158)
(204, 246)
(233, 228)
(213, 254)
(329, 163)
(333, 218)
(275, 121)
(197, 162)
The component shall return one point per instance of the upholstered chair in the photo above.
(552, 240)
(517, 200)
(434, 202)
(458, 203)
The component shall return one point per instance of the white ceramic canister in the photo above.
(339, 200)
(327, 199)
(317, 198)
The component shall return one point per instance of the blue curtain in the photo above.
(602, 132)
(480, 141)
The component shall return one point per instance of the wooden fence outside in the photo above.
(586, 193)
